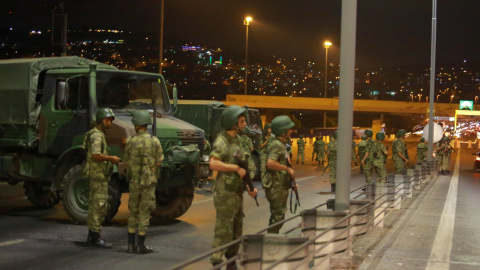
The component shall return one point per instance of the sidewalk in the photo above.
(420, 236)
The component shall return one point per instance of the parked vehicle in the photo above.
(46, 107)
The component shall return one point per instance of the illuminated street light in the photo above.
(419, 97)
(476, 99)
(451, 98)
(411, 95)
(246, 22)
(437, 98)
(326, 45)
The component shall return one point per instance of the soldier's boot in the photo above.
(141, 248)
(232, 266)
(297, 161)
(333, 187)
(97, 241)
(131, 243)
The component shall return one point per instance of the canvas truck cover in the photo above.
(198, 113)
(19, 84)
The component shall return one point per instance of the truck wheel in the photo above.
(40, 194)
(173, 202)
(76, 193)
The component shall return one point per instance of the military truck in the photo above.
(46, 107)
(205, 114)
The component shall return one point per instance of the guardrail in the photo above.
(326, 237)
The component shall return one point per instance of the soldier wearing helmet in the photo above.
(361, 151)
(98, 169)
(367, 160)
(277, 183)
(422, 150)
(228, 187)
(315, 148)
(441, 150)
(143, 155)
(400, 154)
(321, 150)
(380, 157)
(332, 159)
(301, 149)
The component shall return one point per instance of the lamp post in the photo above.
(419, 97)
(437, 98)
(451, 98)
(476, 99)
(326, 45)
(411, 95)
(246, 22)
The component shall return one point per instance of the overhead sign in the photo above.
(466, 105)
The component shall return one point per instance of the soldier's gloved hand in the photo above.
(291, 172)
(115, 159)
(253, 193)
(242, 172)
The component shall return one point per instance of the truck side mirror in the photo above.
(175, 99)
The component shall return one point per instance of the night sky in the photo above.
(389, 32)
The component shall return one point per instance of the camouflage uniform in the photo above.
(227, 197)
(321, 150)
(354, 153)
(379, 159)
(301, 150)
(98, 175)
(142, 153)
(276, 190)
(398, 146)
(315, 149)
(441, 154)
(263, 154)
(332, 160)
(422, 152)
(247, 145)
(368, 166)
(361, 152)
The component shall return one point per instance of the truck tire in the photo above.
(76, 193)
(40, 194)
(173, 202)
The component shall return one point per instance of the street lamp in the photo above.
(451, 98)
(476, 99)
(419, 97)
(411, 95)
(437, 98)
(326, 45)
(246, 22)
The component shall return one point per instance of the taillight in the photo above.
(477, 158)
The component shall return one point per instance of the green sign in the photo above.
(466, 105)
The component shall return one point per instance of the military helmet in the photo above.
(281, 124)
(317, 138)
(335, 134)
(364, 137)
(422, 139)
(369, 133)
(445, 138)
(230, 116)
(141, 118)
(104, 113)
(268, 126)
(380, 136)
(401, 133)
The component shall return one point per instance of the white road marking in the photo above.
(11, 242)
(442, 245)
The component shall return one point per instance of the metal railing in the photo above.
(377, 205)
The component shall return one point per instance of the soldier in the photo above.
(143, 155)
(400, 154)
(228, 186)
(332, 159)
(367, 160)
(422, 150)
(361, 151)
(354, 153)
(321, 150)
(278, 183)
(268, 137)
(301, 149)
(441, 154)
(98, 169)
(380, 157)
(247, 147)
(315, 148)
(288, 144)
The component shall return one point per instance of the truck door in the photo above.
(63, 117)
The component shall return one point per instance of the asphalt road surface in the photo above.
(32, 238)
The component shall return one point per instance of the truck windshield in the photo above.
(125, 90)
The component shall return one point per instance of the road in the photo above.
(32, 238)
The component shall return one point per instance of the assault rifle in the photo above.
(294, 184)
(243, 163)
(325, 169)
